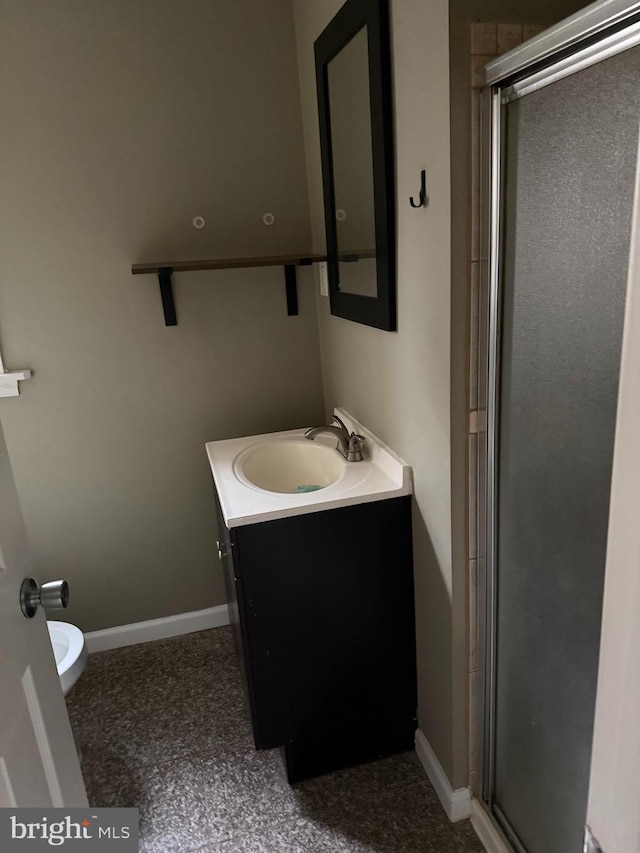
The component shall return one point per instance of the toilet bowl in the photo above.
(70, 652)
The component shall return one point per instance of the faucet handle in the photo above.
(355, 447)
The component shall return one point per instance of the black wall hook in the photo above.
(423, 191)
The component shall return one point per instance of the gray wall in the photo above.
(120, 122)
(398, 384)
(411, 387)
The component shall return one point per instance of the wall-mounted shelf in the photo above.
(165, 270)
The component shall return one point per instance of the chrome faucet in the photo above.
(349, 444)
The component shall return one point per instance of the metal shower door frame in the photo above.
(596, 33)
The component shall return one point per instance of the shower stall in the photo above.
(564, 131)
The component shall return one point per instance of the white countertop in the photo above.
(381, 475)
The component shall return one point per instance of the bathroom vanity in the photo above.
(320, 592)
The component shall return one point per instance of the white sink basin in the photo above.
(266, 477)
(294, 466)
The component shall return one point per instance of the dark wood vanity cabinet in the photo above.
(322, 611)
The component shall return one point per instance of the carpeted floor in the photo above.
(163, 726)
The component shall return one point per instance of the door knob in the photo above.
(52, 596)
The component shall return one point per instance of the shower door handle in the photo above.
(53, 595)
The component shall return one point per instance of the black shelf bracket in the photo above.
(291, 284)
(165, 271)
(166, 294)
(291, 287)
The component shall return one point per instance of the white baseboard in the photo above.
(487, 831)
(457, 804)
(157, 629)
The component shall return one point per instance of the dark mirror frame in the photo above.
(380, 310)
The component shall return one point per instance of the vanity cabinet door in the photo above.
(321, 607)
(268, 677)
(328, 618)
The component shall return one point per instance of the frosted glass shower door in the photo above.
(568, 183)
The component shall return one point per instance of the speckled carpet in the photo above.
(163, 726)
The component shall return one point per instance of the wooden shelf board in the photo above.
(228, 263)
(236, 263)
(165, 269)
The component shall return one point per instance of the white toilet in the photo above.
(70, 652)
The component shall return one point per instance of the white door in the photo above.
(38, 761)
(613, 813)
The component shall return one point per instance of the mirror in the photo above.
(348, 84)
(353, 78)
